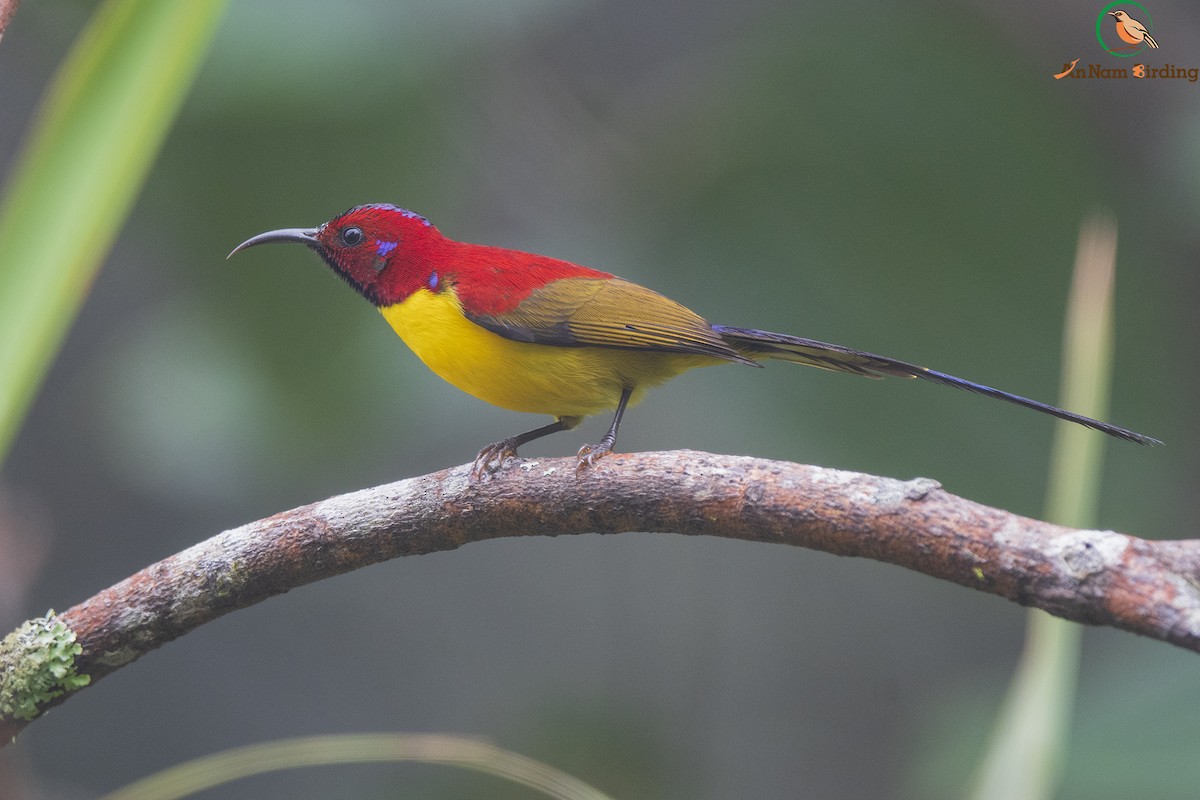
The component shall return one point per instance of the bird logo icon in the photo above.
(1131, 31)
(1125, 29)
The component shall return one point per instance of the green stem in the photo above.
(1029, 744)
(215, 770)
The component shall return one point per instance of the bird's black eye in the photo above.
(351, 236)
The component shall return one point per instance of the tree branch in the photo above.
(1093, 577)
(7, 9)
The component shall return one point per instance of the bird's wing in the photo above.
(1126, 29)
(607, 312)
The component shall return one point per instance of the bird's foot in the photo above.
(589, 454)
(491, 458)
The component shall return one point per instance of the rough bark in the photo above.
(1092, 577)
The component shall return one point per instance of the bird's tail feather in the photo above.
(764, 344)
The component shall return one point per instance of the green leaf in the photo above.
(195, 776)
(1024, 759)
(98, 130)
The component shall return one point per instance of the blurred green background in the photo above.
(905, 178)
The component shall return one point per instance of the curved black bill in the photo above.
(306, 236)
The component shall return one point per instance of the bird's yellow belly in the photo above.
(536, 378)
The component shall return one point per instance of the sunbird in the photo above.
(544, 336)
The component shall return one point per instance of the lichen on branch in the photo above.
(37, 666)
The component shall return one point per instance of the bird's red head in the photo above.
(379, 249)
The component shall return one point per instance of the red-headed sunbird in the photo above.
(536, 334)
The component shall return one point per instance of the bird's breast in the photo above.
(1128, 36)
(534, 378)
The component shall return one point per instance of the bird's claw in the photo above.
(490, 459)
(589, 454)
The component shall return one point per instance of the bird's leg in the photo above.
(590, 453)
(508, 447)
